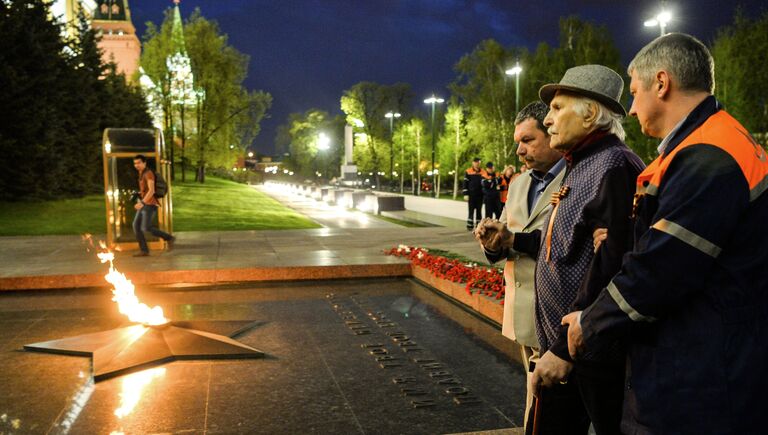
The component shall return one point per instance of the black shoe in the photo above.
(141, 254)
(169, 243)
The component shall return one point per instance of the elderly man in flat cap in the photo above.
(596, 193)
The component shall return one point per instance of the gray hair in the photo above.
(536, 110)
(683, 56)
(606, 120)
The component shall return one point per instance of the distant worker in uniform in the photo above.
(491, 188)
(505, 180)
(473, 193)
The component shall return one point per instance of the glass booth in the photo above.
(121, 180)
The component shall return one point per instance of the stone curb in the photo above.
(210, 276)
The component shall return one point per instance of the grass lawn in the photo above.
(65, 216)
(222, 205)
(217, 205)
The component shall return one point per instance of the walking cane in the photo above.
(536, 412)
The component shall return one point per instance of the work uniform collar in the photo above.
(698, 116)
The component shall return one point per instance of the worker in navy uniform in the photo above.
(491, 200)
(473, 193)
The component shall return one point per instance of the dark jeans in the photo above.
(475, 208)
(145, 221)
(492, 208)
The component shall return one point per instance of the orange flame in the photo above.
(123, 294)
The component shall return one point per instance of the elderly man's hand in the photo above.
(549, 371)
(493, 235)
(598, 237)
(483, 229)
(575, 334)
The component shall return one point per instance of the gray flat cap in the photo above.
(594, 81)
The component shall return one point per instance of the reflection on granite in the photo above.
(318, 376)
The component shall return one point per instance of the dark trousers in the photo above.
(145, 221)
(602, 391)
(558, 411)
(475, 211)
(594, 393)
(492, 208)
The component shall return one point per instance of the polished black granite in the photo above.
(373, 357)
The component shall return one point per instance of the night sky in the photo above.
(306, 53)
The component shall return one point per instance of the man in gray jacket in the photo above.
(525, 210)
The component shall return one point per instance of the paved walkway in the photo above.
(445, 208)
(326, 215)
(62, 261)
(351, 244)
(418, 209)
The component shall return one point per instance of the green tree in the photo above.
(410, 139)
(489, 97)
(484, 87)
(299, 137)
(740, 62)
(368, 102)
(582, 42)
(227, 116)
(453, 143)
(32, 65)
(157, 46)
(103, 100)
(127, 104)
(81, 145)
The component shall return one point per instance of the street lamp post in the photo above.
(323, 144)
(660, 20)
(515, 71)
(432, 101)
(391, 116)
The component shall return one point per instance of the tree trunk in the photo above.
(418, 162)
(456, 162)
(402, 165)
(168, 118)
(504, 147)
(200, 176)
(183, 146)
